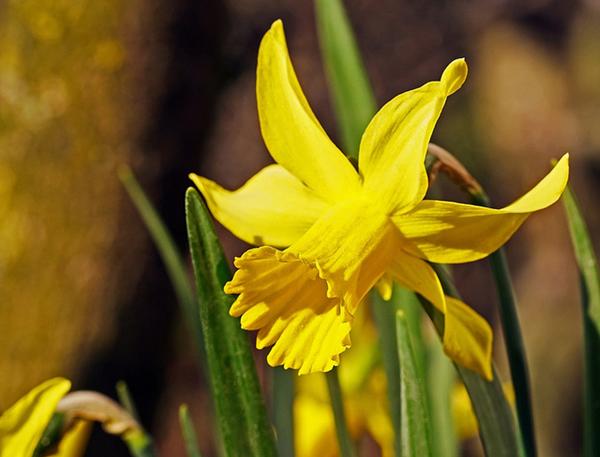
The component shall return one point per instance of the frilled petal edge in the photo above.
(284, 298)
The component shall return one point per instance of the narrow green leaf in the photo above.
(283, 410)
(126, 400)
(169, 253)
(188, 432)
(590, 300)
(240, 410)
(339, 415)
(139, 443)
(51, 436)
(384, 313)
(415, 431)
(353, 98)
(441, 378)
(496, 423)
(513, 340)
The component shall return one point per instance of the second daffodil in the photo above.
(329, 233)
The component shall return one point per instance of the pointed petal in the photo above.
(467, 336)
(290, 129)
(22, 425)
(284, 299)
(447, 232)
(272, 208)
(393, 147)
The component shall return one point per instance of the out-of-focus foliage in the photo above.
(65, 121)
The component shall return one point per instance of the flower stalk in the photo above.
(337, 405)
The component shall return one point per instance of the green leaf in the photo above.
(441, 378)
(51, 436)
(283, 410)
(353, 98)
(590, 300)
(339, 415)
(513, 340)
(384, 313)
(188, 432)
(126, 400)
(494, 415)
(415, 426)
(176, 268)
(240, 410)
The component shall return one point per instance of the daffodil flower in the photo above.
(342, 230)
(22, 425)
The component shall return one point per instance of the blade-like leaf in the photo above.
(496, 422)
(441, 377)
(188, 432)
(353, 98)
(384, 313)
(283, 410)
(240, 410)
(169, 253)
(415, 432)
(590, 299)
(513, 340)
(339, 415)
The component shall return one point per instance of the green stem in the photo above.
(513, 340)
(337, 404)
(283, 410)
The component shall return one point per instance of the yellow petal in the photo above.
(74, 441)
(447, 232)
(284, 298)
(22, 425)
(393, 147)
(272, 208)
(467, 336)
(290, 129)
(418, 276)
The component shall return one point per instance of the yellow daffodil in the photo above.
(22, 425)
(344, 230)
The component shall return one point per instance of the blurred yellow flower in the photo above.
(22, 425)
(363, 383)
(346, 230)
(465, 420)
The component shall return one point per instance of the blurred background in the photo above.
(168, 88)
